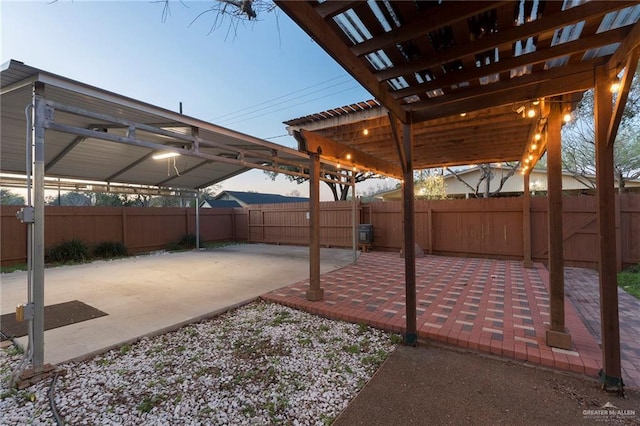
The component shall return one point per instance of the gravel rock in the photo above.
(260, 364)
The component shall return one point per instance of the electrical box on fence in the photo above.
(365, 234)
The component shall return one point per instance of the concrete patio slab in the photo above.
(149, 295)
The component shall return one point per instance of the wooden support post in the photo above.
(411, 336)
(526, 222)
(612, 373)
(556, 334)
(315, 292)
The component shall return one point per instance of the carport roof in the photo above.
(99, 136)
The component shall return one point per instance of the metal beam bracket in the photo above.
(611, 383)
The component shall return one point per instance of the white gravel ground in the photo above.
(260, 364)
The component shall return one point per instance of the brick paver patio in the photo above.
(491, 306)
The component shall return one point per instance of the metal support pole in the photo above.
(197, 216)
(611, 375)
(354, 220)
(411, 335)
(39, 116)
(315, 292)
(556, 335)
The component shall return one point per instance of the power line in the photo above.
(281, 102)
(242, 110)
(291, 106)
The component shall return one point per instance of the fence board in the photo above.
(475, 227)
(140, 229)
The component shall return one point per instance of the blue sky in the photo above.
(266, 73)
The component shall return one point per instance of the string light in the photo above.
(567, 117)
(531, 113)
(348, 156)
(534, 146)
(538, 136)
(365, 132)
(615, 86)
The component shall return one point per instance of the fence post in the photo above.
(618, 199)
(124, 225)
(526, 222)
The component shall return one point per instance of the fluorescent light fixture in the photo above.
(163, 155)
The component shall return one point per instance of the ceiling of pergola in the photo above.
(460, 72)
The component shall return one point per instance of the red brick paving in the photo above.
(492, 306)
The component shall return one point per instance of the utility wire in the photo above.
(291, 106)
(282, 102)
(296, 92)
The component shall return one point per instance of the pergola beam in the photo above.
(547, 24)
(331, 150)
(307, 18)
(623, 94)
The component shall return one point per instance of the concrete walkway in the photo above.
(150, 295)
(583, 290)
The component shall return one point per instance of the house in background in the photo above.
(512, 187)
(245, 199)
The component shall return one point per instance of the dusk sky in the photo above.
(251, 81)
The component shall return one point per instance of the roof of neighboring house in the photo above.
(259, 198)
(222, 203)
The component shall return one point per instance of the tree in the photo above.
(10, 198)
(108, 200)
(341, 180)
(486, 176)
(578, 140)
(233, 12)
(69, 199)
(430, 185)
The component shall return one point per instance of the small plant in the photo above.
(353, 349)
(396, 339)
(125, 349)
(186, 242)
(148, 402)
(109, 250)
(15, 350)
(13, 268)
(629, 280)
(72, 251)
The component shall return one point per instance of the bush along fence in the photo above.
(104, 229)
(474, 228)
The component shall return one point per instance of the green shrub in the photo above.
(186, 242)
(72, 251)
(110, 249)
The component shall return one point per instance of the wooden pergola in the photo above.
(476, 82)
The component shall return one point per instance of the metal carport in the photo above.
(108, 141)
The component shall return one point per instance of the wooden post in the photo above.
(556, 334)
(315, 292)
(430, 229)
(612, 373)
(411, 336)
(526, 222)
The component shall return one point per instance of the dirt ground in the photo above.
(434, 385)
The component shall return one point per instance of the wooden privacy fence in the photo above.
(474, 228)
(140, 229)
